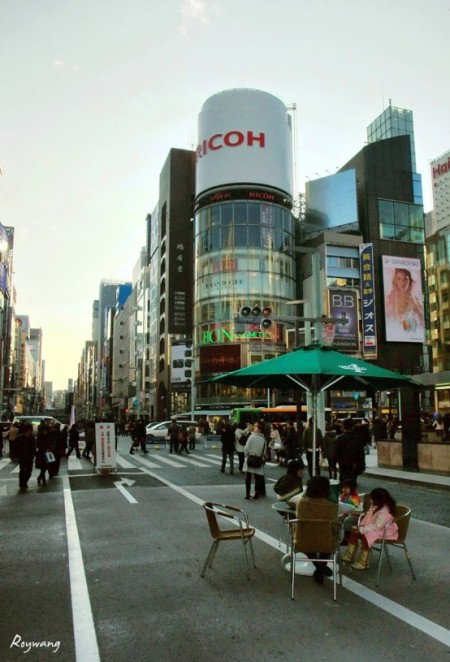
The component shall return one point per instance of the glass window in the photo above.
(416, 219)
(227, 214)
(401, 233)
(254, 213)
(401, 214)
(240, 236)
(254, 236)
(387, 231)
(386, 211)
(215, 244)
(215, 216)
(240, 212)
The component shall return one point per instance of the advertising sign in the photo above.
(344, 302)
(105, 444)
(368, 313)
(403, 299)
(181, 363)
(220, 358)
(244, 136)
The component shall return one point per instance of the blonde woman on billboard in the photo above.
(402, 306)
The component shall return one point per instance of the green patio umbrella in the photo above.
(316, 368)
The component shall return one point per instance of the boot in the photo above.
(363, 561)
(349, 553)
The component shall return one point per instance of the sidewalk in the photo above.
(404, 475)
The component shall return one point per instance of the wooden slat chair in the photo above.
(402, 517)
(227, 523)
(315, 536)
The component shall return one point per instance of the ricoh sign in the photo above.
(244, 138)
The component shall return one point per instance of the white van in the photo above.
(35, 421)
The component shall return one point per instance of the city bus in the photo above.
(280, 414)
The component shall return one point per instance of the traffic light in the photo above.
(255, 315)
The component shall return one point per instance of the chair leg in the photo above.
(250, 542)
(209, 558)
(292, 572)
(405, 549)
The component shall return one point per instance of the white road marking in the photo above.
(394, 609)
(86, 646)
(120, 486)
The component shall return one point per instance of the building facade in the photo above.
(243, 224)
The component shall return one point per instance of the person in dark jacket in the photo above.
(25, 450)
(291, 483)
(227, 439)
(290, 445)
(74, 437)
(43, 446)
(349, 453)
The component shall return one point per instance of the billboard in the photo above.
(220, 358)
(182, 362)
(345, 302)
(403, 299)
(244, 137)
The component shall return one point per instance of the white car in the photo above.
(158, 431)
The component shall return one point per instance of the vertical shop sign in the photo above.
(368, 314)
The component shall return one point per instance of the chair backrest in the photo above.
(211, 516)
(402, 517)
(366, 502)
(316, 535)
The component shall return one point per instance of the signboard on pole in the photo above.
(105, 444)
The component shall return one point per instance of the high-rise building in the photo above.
(243, 224)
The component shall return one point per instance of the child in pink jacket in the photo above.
(371, 527)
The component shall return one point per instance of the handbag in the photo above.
(254, 461)
(49, 457)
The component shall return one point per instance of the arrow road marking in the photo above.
(120, 486)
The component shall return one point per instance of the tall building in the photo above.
(438, 271)
(243, 224)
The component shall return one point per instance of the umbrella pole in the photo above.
(314, 432)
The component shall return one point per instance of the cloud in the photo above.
(192, 11)
(59, 64)
(62, 65)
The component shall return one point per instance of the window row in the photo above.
(234, 262)
(241, 236)
(243, 213)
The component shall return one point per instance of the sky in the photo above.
(94, 94)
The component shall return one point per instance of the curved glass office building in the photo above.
(243, 224)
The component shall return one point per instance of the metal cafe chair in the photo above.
(227, 523)
(315, 536)
(402, 518)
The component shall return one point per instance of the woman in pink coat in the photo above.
(371, 528)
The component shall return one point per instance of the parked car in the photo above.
(157, 432)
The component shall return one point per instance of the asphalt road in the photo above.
(108, 568)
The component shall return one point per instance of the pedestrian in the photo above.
(372, 527)
(227, 438)
(172, 432)
(191, 431)
(254, 461)
(140, 435)
(12, 437)
(316, 504)
(307, 443)
(53, 439)
(241, 435)
(275, 444)
(349, 453)
(290, 448)
(291, 483)
(74, 437)
(43, 446)
(89, 440)
(328, 442)
(182, 439)
(25, 450)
